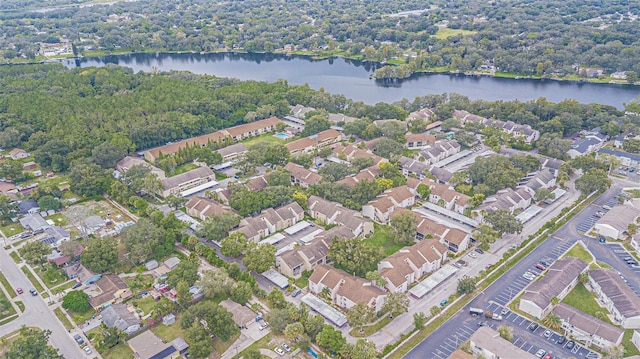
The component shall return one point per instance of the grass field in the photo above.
(579, 252)
(63, 318)
(169, 333)
(121, 350)
(32, 279)
(446, 33)
(15, 256)
(10, 310)
(7, 286)
(580, 298)
(140, 281)
(51, 276)
(62, 288)
(145, 304)
(59, 219)
(185, 167)
(382, 238)
(629, 349)
(267, 137)
(12, 229)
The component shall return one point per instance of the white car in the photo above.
(473, 255)
(279, 351)
(528, 276)
(87, 350)
(540, 353)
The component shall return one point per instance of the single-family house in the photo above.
(112, 289)
(301, 176)
(614, 223)
(344, 289)
(149, 346)
(94, 223)
(28, 206)
(487, 343)
(18, 154)
(334, 213)
(34, 222)
(119, 316)
(55, 236)
(616, 296)
(68, 251)
(242, 315)
(560, 278)
(586, 328)
(84, 275)
(8, 188)
(409, 264)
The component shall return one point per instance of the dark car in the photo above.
(479, 250)
(78, 339)
(543, 262)
(533, 326)
(571, 344)
(33, 292)
(296, 292)
(561, 340)
(77, 285)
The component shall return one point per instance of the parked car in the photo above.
(33, 292)
(296, 292)
(601, 239)
(504, 311)
(540, 266)
(77, 285)
(482, 323)
(444, 302)
(19, 290)
(570, 344)
(533, 326)
(547, 334)
(479, 250)
(540, 353)
(544, 263)
(473, 255)
(263, 325)
(87, 350)
(286, 347)
(548, 356)
(78, 339)
(561, 340)
(488, 266)
(279, 351)
(457, 265)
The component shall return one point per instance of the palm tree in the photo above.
(506, 332)
(614, 352)
(555, 300)
(583, 278)
(552, 321)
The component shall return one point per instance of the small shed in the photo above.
(169, 319)
(172, 262)
(151, 265)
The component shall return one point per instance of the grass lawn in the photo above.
(446, 32)
(140, 281)
(63, 318)
(185, 167)
(20, 305)
(629, 348)
(12, 229)
(579, 252)
(370, 329)
(15, 256)
(7, 286)
(267, 137)
(145, 304)
(169, 333)
(59, 219)
(32, 279)
(582, 299)
(121, 350)
(303, 281)
(381, 238)
(62, 288)
(80, 318)
(10, 310)
(51, 276)
(220, 347)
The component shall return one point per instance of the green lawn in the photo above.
(121, 350)
(582, 299)
(370, 329)
(629, 349)
(20, 305)
(59, 219)
(446, 32)
(32, 279)
(80, 318)
(7, 286)
(220, 347)
(169, 333)
(15, 256)
(63, 318)
(381, 238)
(579, 252)
(12, 229)
(9, 308)
(267, 137)
(140, 282)
(185, 167)
(62, 288)
(145, 304)
(51, 276)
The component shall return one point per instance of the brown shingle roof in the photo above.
(177, 180)
(588, 323)
(328, 134)
(301, 144)
(302, 174)
(252, 126)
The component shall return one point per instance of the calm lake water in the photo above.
(352, 78)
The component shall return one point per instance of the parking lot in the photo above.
(621, 253)
(588, 223)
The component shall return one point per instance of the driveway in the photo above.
(37, 313)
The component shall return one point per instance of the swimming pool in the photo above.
(282, 135)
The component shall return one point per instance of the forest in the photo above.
(533, 38)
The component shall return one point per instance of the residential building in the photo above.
(328, 137)
(301, 176)
(626, 159)
(344, 289)
(80, 272)
(242, 315)
(542, 179)
(439, 151)
(149, 346)
(456, 240)
(351, 151)
(488, 343)
(302, 146)
(55, 236)
(119, 316)
(551, 164)
(299, 111)
(28, 206)
(558, 281)
(380, 208)
(336, 118)
(586, 328)
(441, 174)
(18, 154)
(200, 178)
(409, 264)
(257, 183)
(367, 174)
(419, 140)
(111, 289)
(128, 162)
(8, 188)
(525, 132)
(592, 141)
(504, 199)
(218, 138)
(423, 114)
(616, 295)
(614, 223)
(73, 248)
(34, 222)
(270, 221)
(203, 208)
(411, 167)
(233, 152)
(445, 196)
(334, 213)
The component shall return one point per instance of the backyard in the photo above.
(381, 238)
(582, 299)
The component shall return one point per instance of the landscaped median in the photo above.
(399, 349)
(7, 286)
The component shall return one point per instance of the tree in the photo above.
(594, 179)
(89, 179)
(362, 349)
(186, 271)
(313, 325)
(276, 299)
(259, 258)
(396, 304)
(583, 278)
(552, 321)
(543, 194)
(252, 353)
(49, 202)
(403, 227)
(217, 228)
(419, 320)
(505, 332)
(241, 292)
(376, 278)
(314, 125)
(101, 255)
(32, 343)
(466, 285)
(632, 228)
(112, 336)
(34, 252)
(176, 202)
(435, 310)
(423, 190)
(503, 222)
(234, 245)
(219, 321)
(184, 296)
(388, 148)
(279, 178)
(141, 240)
(554, 300)
(77, 301)
(360, 163)
(552, 145)
(330, 339)
(495, 172)
(293, 330)
(278, 319)
(216, 283)
(200, 344)
(614, 352)
(485, 234)
(355, 255)
(359, 315)
(106, 155)
(632, 77)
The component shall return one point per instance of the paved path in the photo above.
(37, 313)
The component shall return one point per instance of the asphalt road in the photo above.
(36, 314)
(458, 329)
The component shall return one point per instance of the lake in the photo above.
(352, 78)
